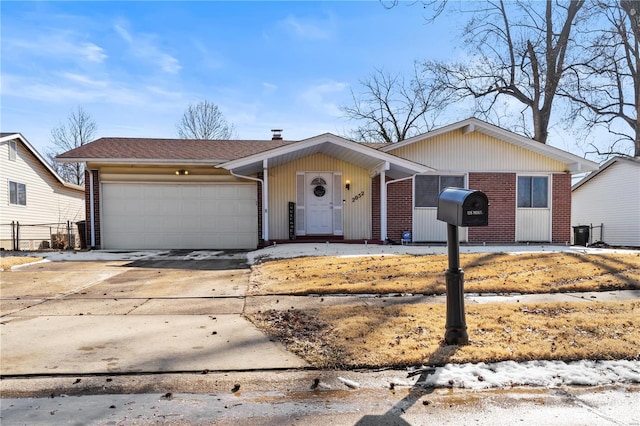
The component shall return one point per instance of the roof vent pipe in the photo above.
(277, 134)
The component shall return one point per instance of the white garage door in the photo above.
(164, 216)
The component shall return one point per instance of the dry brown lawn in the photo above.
(7, 262)
(484, 272)
(356, 336)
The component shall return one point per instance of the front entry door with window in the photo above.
(318, 203)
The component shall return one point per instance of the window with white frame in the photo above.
(13, 150)
(428, 187)
(17, 193)
(533, 191)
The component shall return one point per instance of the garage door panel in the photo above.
(191, 208)
(227, 192)
(152, 207)
(169, 224)
(191, 226)
(156, 216)
(170, 207)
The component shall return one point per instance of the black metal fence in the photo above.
(18, 236)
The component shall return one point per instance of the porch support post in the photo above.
(265, 200)
(383, 201)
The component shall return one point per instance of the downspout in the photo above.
(92, 209)
(265, 217)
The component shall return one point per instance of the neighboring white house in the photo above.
(34, 196)
(610, 197)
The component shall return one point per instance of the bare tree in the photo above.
(79, 130)
(605, 86)
(518, 49)
(390, 109)
(204, 120)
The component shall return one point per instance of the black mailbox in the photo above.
(463, 207)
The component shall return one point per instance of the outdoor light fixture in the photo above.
(182, 172)
(347, 184)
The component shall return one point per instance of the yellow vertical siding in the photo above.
(475, 151)
(282, 190)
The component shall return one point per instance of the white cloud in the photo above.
(323, 96)
(144, 46)
(83, 79)
(309, 29)
(81, 89)
(92, 52)
(57, 44)
(209, 59)
(268, 88)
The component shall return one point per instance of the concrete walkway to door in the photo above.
(132, 313)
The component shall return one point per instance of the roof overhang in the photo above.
(603, 167)
(333, 146)
(138, 161)
(36, 154)
(573, 163)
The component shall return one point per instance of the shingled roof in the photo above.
(165, 150)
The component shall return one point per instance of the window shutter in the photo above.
(337, 204)
(300, 190)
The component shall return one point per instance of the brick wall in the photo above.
(399, 208)
(501, 191)
(96, 205)
(500, 188)
(561, 205)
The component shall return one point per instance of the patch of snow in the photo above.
(550, 374)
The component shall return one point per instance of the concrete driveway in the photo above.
(121, 316)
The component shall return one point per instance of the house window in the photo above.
(17, 193)
(533, 191)
(428, 187)
(13, 149)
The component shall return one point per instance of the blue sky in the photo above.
(135, 66)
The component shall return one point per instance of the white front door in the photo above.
(319, 203)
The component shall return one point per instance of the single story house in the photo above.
(609, 201)
(168, 193)
(36, 204)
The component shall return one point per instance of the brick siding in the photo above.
(500, 188)
(96, 205)
(399, 209)
(561, 204)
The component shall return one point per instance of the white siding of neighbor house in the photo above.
(611, 198)
(475, 151)
(48, 201)
(282, 190)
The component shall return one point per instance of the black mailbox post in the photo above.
(459, 207)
